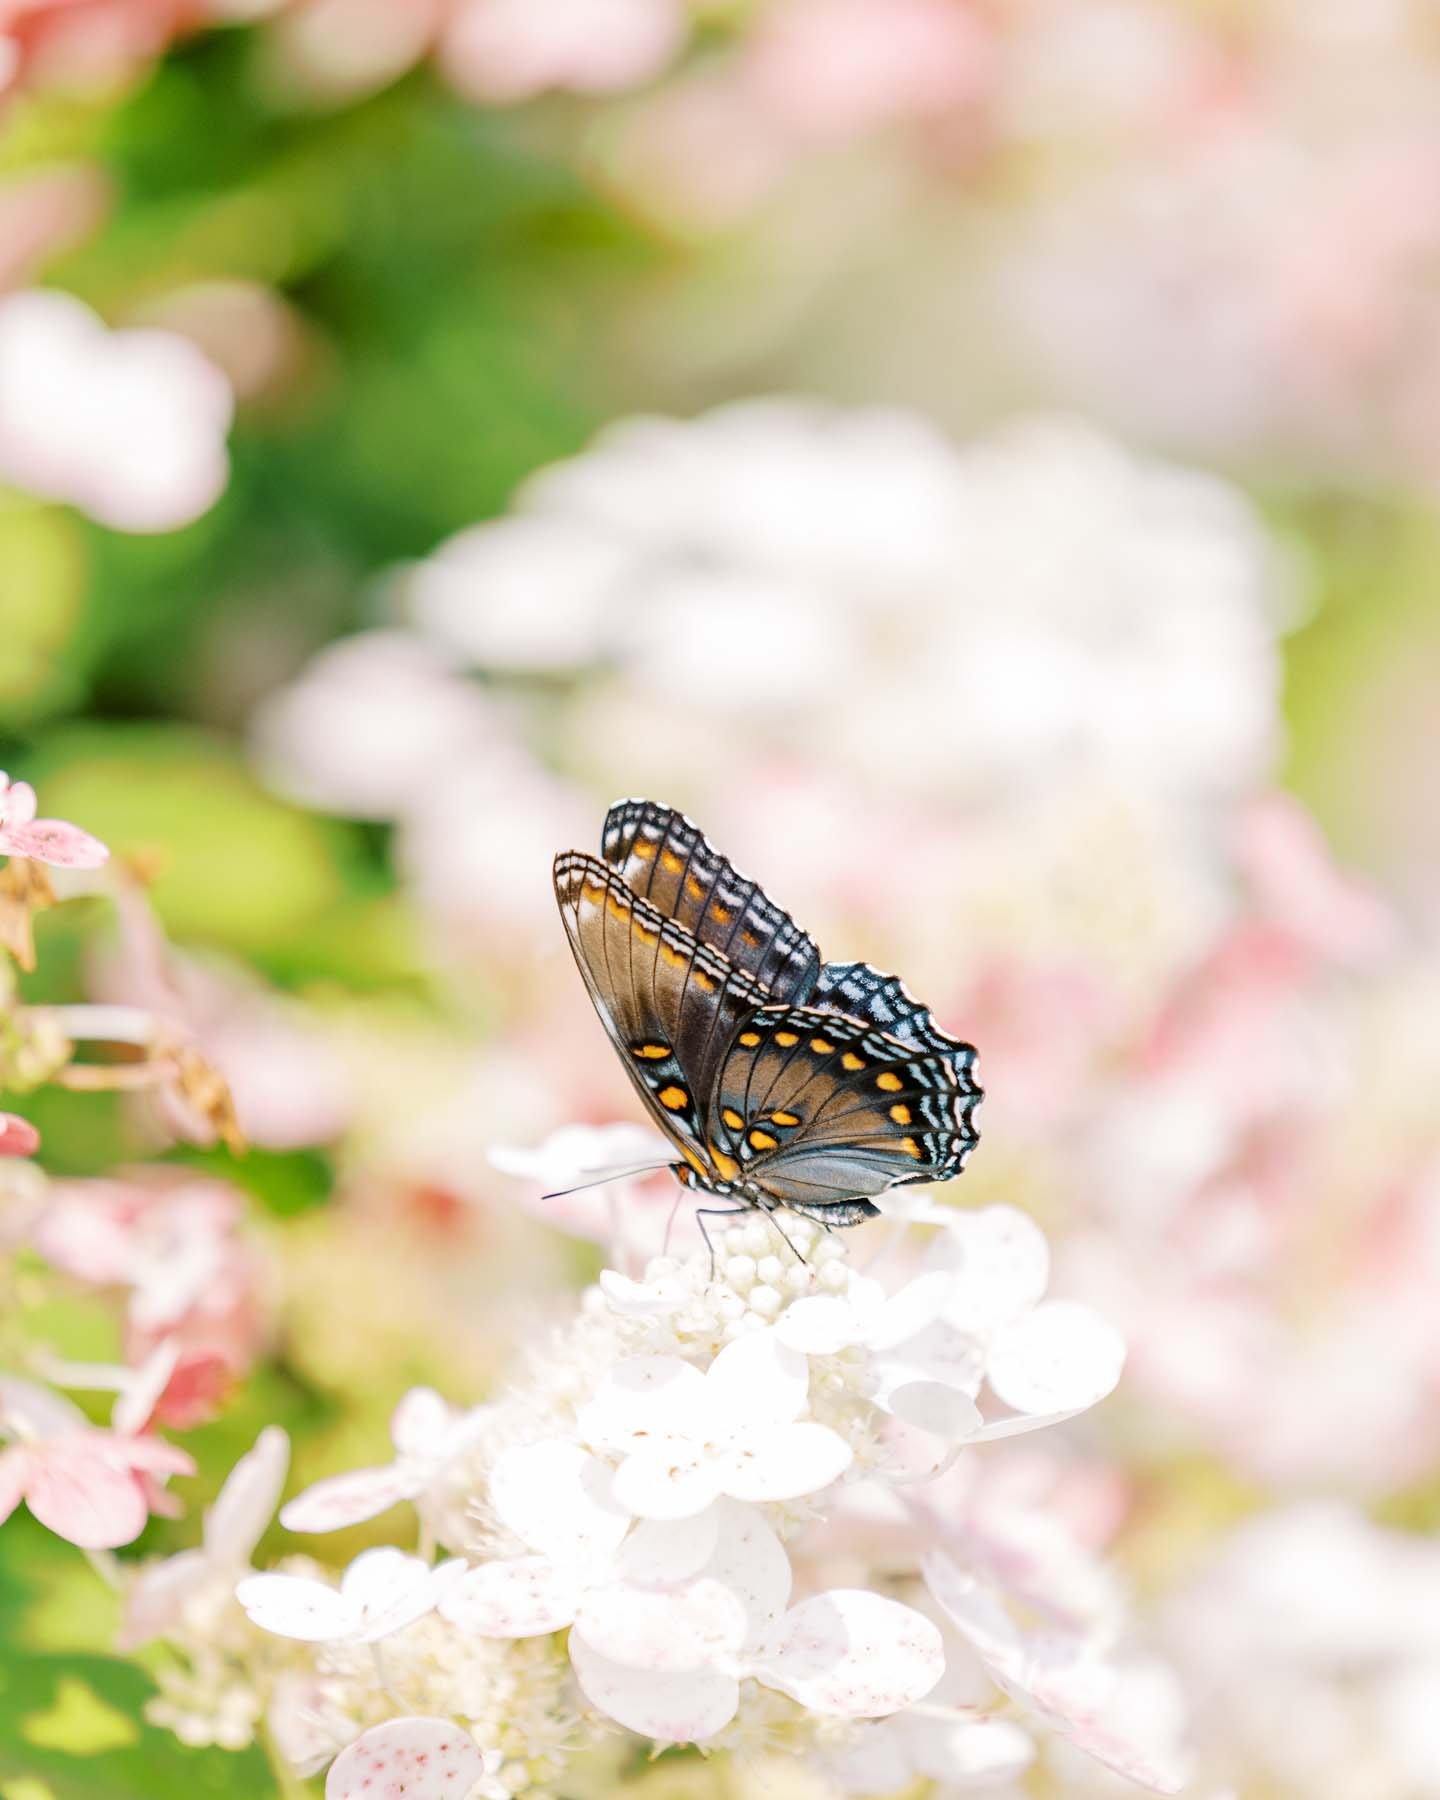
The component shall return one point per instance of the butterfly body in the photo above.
(782, 1080)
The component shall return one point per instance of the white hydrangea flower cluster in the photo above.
(637, 1534)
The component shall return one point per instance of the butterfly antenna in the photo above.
(605, 1175)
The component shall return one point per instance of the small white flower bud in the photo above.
(757, 1239)
(735, 1239)
(766, 1300)
(739, 1271)
(834, 1276)
(731, 1307)
(770, 1269)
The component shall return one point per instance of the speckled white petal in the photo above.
(670, 1478)
(914, 1307)
(853, 1655)
(751, 1561)
(644, 1395)
(685, 1708)
(818, 1326)
(348, 1499)
(661, 1552)
(388, 1590)
(246, 1504)
(525, 1597)
(976, 1614)
(758, 1380)
(1062, 1357)
(558, 1500)
(293, 1606)
(664, 1629)
(781, 1462)
(1000, 1263)
(407, 1759)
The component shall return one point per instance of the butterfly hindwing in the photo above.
(821, 1109)
(670, 1004)
(668, 862)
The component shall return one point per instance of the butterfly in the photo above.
(783, 1081)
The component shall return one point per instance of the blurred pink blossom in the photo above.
(129, 426)
(502, 51)
(91, 1486)
(51, 841)
(18, 1137)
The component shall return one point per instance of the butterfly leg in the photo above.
(715, 1212)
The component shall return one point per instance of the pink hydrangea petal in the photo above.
(18, 1137)
(558, 1500)
(407, 1759)
(83, 1494)
(524, 1597)
(685, 1708)
(156, 1603)
(667, 1479)
(645, 1395)
(246, 1504)
(152, 1455)
(293, 1606)
(663, 1629)
(817, 1326)
(389, 1590)
(1062, 1357)
(53, 841)
(757, 1380)
(905, 1314)
(853, 1655)
(1000, 1262)
(18, 804)
(38, 1411)
(781, 1462)
(341, 1500)
(976, 1614)
(661, 1552)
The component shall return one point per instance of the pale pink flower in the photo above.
(685, 1438)
(1124, 1714)
(408, 1759)
(94, 1487)
(428, 1435)
(129, 426)
(52, 841)
(502, 51)
(381, 1592)
(18, 1137)
(1298, 888)
(165, 1592)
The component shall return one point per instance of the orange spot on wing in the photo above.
(704, 982)
(670, 862)
(694, 887)
(652, 1052)
(749, 939)
(762, 1140)
(642, 850)
(911, 1148)
(694, 1161)
(720, 914)
(784, 1118)
(890, 1082)
(726, 1166)
(900, 1113)
(675, 1098)
(749, 1039)
(851, 1061)
(821, 1046)
(732, 1118)
(786, 1038)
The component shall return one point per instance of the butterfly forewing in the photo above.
(671, 1005)
(667, 861)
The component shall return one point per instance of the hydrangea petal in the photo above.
(421, 1422)
(854, 1655)
(525, 1597)
(669, 1479)
(558, 1500)
(246, 1503)
(84, 1495)
(157, 1601)
(1000, 1262)
(751, 1561)
(293, 1606)
(758, 1380)
(818, 1325)
(664, 1629)
(781, 1462)
(53, 841)
(341, 1500)
(1062, 1357)
(684, 1708)
(917, 1305)
(946, 1412)
(388, 1590)
(407, 1759)
(661, 1552)
(644, 1395)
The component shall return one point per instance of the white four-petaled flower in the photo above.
(381, 1592)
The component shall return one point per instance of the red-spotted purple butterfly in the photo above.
(782, 1080)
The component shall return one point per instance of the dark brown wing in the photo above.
(820, 1109)
(667, 861)
(671, 1005)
